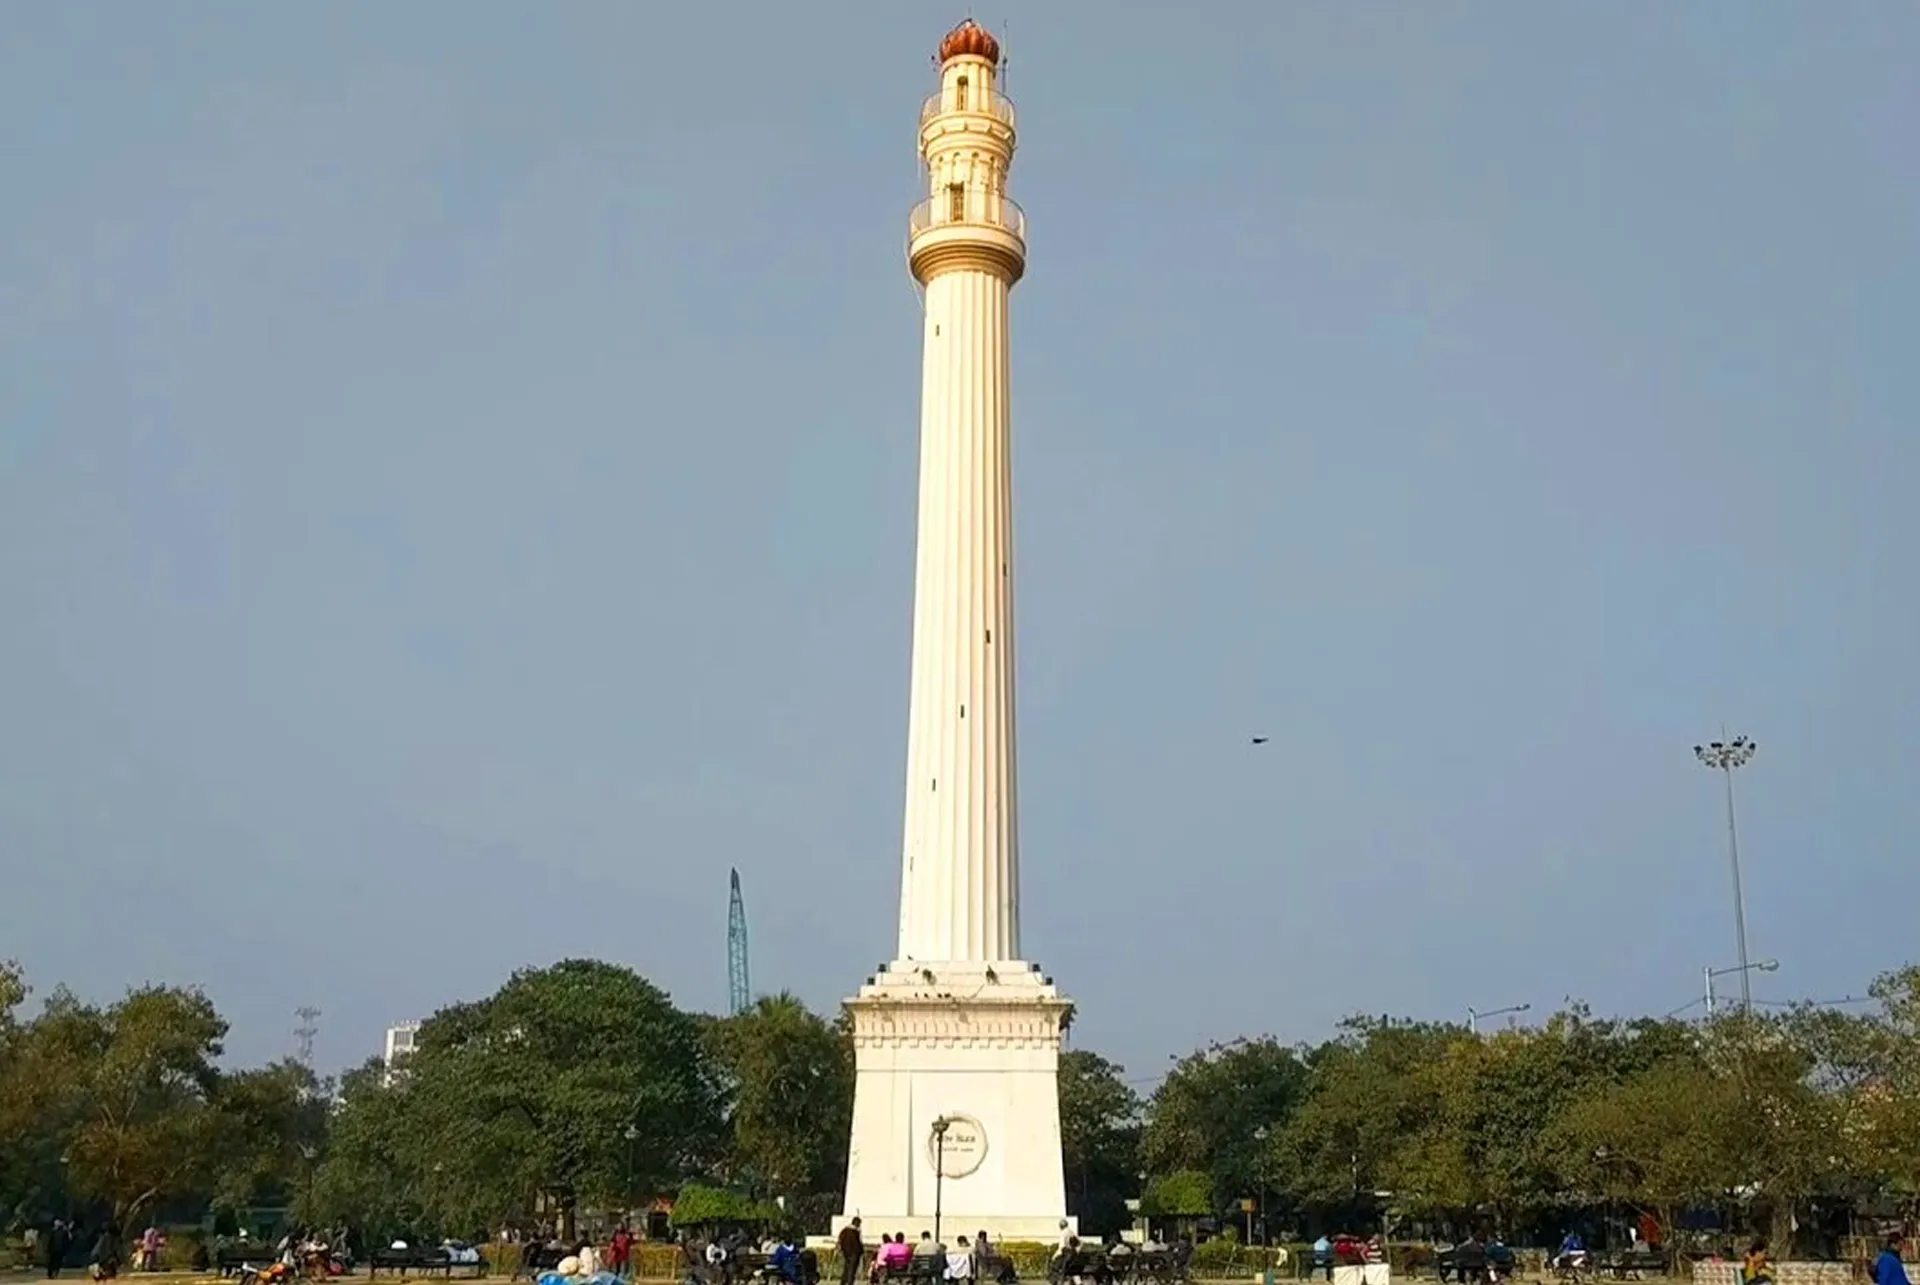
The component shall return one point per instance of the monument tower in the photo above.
(957, 1041)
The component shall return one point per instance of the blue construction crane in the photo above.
(739, 989)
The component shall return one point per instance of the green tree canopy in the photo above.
(788, 1075)
(129, 1091)
(1099, 1138)
(1184, 1193)
(532, 1093)
(1210, 1112)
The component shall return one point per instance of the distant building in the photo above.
(399, 1043)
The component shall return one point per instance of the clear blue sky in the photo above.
(457, 466)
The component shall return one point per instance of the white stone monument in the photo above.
(959, 1028)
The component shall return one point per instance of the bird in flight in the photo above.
(1261, 740)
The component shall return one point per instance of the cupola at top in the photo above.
(970, 40)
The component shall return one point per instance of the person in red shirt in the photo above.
(620, 1251)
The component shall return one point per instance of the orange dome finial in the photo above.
(970, 38)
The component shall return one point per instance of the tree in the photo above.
(1376, 1116)
(789, 1077)
(129, 1088)
(1785, 1128)
(1661, 1138)
(529, 1095)
(27, 1151)
(1207, 1114)
(1184, 1193)
(1099, 1138)
(1870, 1066)
(272, 1128)
(368, 1175)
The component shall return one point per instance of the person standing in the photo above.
(852, 1250)
(1888, 1269)
(1758, 1266)
(58, 1238)
(620, 1251)
(106, 1253)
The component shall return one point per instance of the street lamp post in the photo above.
(1723, 757)
(940, 1127)
(1260, 1139)
(632, 1134)
(307, 1153)
(1474, 1015)
(1708, 974)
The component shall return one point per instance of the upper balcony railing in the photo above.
(975, 100)
(968, 208)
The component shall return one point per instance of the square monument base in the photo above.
(977, 1046)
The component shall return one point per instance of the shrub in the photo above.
(177, 1254)
(502, 1259)
(1226, 1252)
(701, 1206)
(1185, 1193)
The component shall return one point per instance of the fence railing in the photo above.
(980, 209)
(978, 102)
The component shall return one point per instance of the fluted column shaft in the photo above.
(961, 862)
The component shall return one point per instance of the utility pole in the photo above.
(1723, 757)
(739, 987)
(303, 1034)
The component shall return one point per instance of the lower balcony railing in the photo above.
(980, 209)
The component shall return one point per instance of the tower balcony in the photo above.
(965, 227)
(957, 206)
(979, 102)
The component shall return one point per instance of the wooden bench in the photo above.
(994, 1267)
(927, 1269)
(229, 1259)
(537, 1258)
(423, 1261)
(1628, 1264)
(1470, 1262)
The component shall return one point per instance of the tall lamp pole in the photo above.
(1260, 1140)
(308, 1153)
(1723, 757)
(632, 1135)
(940, 1126)
(1474, 1015)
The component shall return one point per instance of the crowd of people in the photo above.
(738, 1259)
(893, 1257)
(106, 1256)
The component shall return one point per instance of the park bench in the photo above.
(229, 1259)
(234, 1259)
(1146, 1266)
(925, 1269)
(537, 1258)
(994, 1267)
(1631, 1264)
(1119, 1267)
(422, 1260)
(1469, 1262)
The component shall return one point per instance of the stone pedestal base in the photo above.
(977, 1045)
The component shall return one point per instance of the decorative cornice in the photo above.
(880, 1023)
(928, 259)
